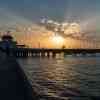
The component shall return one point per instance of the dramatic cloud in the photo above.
(75, 19)
(73, 29)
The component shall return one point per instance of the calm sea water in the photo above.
(68, 78)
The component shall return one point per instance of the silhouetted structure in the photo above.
(28, 52)
(11, 47)
(7, 43)
(14, 84)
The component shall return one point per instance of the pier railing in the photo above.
(33, 52)
(27, 52)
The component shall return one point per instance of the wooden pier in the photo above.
(14, 84)
(30, 52)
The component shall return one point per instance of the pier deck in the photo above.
(13, 82)
(26, 52)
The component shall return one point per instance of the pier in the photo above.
(14, 84)
(30, 52)
(8, 45)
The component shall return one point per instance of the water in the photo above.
(68, 78)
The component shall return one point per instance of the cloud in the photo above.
(72, 30)
(84, 31)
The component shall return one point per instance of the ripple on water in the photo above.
(64, 78)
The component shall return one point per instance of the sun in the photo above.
(57, 40)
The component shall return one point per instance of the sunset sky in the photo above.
(23, 16)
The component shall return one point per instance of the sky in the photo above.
(28, 12)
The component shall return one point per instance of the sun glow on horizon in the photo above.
(57, 40)
(40, 37)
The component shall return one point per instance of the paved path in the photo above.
(13, 82)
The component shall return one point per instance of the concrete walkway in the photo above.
(13, 82)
